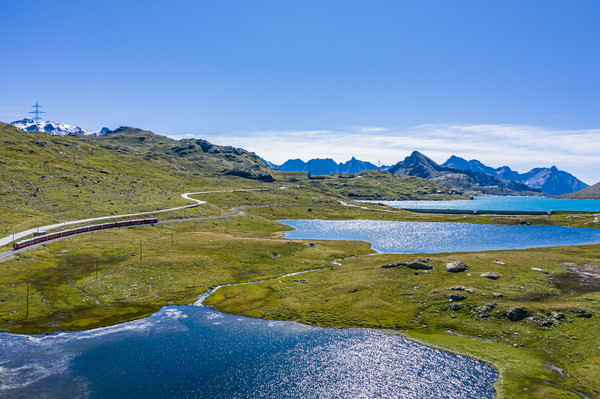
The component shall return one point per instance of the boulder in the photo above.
(583, 313)
(516, 314)
(457, 297)
(537, 269)
(456, 267)
(413, 265)
(418, 266)
(491, 275)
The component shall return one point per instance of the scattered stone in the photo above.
(524, 222)
(583, 313)
(453, 316)
(484, 311)
(470, 290)
(537, 269)
(392, 265)
(457, 297)
(456, 306)
(311, 244)
(353, 290)
(499, 262)
(574, 338)
(568, 264)
(542, 321)
(491, 275)
(433, 292)
(457, 267)
(516, 314)
(302, 280)
(457, 288)
(516, 346)
(497, 295)
(557, 316)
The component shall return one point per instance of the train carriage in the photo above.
(79, 230)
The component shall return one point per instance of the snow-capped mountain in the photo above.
(56, 128)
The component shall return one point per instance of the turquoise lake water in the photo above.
(430, 237)
(503, 204)
(195, 352)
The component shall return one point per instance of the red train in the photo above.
(65, 233)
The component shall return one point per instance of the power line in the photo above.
(37, 112)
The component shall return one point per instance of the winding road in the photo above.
(9, 239)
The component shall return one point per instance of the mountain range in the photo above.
(326, 166)
(55, 128)
(456, 173)
(417, 164)
(550, 180)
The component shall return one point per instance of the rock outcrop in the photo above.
(457, 267)
(517, 314)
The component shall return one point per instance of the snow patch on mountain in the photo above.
(55, 128)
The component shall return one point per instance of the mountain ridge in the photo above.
(326, 166)
(549, 180)
(419, 165)
(590, 192)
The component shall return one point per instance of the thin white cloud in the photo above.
(519, 146)
(368, 129)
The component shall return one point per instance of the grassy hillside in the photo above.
(59, 178)
(62, 178)
(591, 192)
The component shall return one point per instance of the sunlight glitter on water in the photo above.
(431, 237)
(181, 352)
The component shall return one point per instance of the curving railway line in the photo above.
(26, 244)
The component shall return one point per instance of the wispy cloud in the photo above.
(367, 129)
(521, 147)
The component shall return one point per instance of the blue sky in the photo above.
(507, 82)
